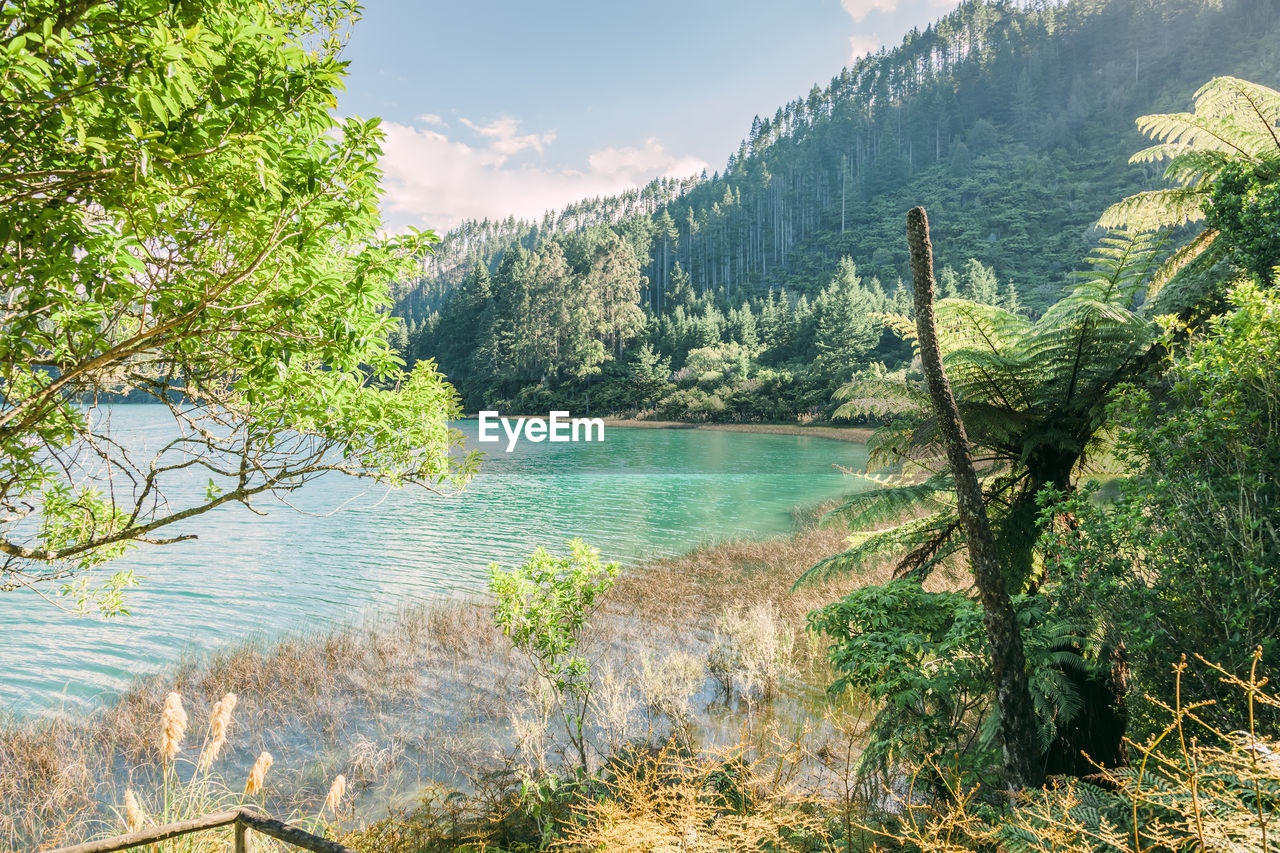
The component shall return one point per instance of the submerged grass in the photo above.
(432, 696)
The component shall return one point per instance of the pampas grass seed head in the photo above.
(134, 817)
(259, 772)
(219, 722)
(336, 793)
(173, 727)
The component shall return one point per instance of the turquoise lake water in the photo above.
(640, 493)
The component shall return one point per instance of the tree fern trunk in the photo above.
(1022, 760)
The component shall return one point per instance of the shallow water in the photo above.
(641, 493)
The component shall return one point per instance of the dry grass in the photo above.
(718, 803)
(772, 792)
(347, 701)
(424, 696)
(696, 589)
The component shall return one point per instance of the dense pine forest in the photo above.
(752, 294)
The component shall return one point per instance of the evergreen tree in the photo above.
(980, 283)
(647, 375)
(844, 332)
(680, 294)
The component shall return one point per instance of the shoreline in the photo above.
(858, 435)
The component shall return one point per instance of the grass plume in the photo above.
(219, 723)
(254, 785)
(173, 727)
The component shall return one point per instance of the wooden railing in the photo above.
(242, 819)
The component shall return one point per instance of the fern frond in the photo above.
(875, 507)
(1055, 700)
(1157, 153)
(901, 325)
(1083, 341)
(1092, 795)
(883, 482)
(1177, 262)
(1086, 357)
(1081, 323)
(963, 324)
(1195, 169)
(1155, 209)
(1242, 98)
(1118, 253)
(876, 545)
(984, 377)
(946, 541)
(1207, 132)
(879, 397)
(1193, 285)
(910, 439)
(1233, 120)
(993, 425)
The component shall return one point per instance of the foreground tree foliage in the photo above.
(544, 606)
(183, 220)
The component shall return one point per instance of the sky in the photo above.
(509, 107)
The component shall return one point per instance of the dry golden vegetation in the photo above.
(424, 731)
(770, 791)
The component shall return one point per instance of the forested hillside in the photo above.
(748, 294)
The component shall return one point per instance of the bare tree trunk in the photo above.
(1022, 759)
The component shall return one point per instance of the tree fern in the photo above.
(1033, 397)
(1233, 120)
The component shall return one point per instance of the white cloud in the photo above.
(432, 118)
(859, 9)
(860, 46)
(434, 181)
(507, 140)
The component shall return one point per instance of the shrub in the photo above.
(924, 656)
(1245, 207)
(1194, 786)
(667, 686)
(1187, 558)
(670, 801)
(543, 607)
